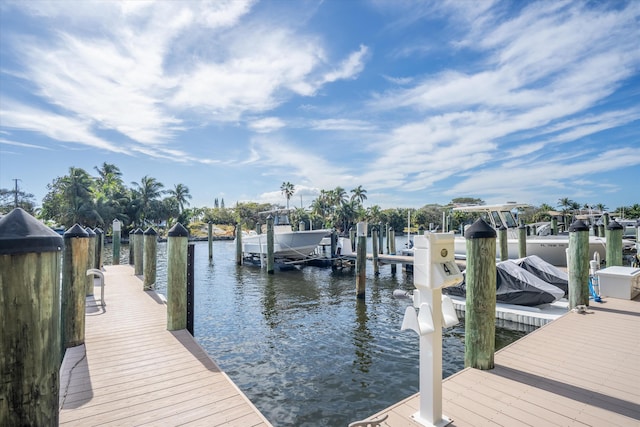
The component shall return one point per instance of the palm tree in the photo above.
(287, 189)
(147, 190)
(359, 194)
(181, 194)
(77, 192)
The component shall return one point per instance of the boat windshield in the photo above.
(281, 219)
(497, 222)
(508, 218)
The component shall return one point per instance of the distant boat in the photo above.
(287, 243)
(551, 249)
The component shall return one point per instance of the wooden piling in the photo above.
(334, 247)
(270, 260)
(554, 226)
(522, 241)
(132, 250)
(391, 237)
(150, 259)
(138, 249)
(504, 244)
(30, 317)
(361, 260)
(596, 230)
(74, 280)
(352, 238)
(115, 238)
(380, 238)
(99, 248)
(578, 264)
(210, 239)
(614, 244)
(238, 244)
(177, 242)
(374, 250)
(480, 312)
(91, 259)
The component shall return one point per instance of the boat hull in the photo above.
(290, 245)
(552, 249)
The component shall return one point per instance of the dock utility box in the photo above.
(619, 282)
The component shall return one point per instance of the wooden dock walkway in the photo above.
(580, 370)
(135, 372)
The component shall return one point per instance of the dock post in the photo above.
(374, 250)
(74, 280)
(210, 239)
(132, 245)
(504, 244)
(30, 318)
(578, 264)
(522, 241)
(91, 259)
(177, 242)
(554, 226)
(380, 237)
(480, 315)
(388, 234)
(596, 230)
(138, 252)
(352, 238)
(334, 247)
(149, 259)
(190, 287)
(361, 260)
(99, 248)
(115, 240)
(600, 225)
(614, 244)
(270, 236)
(238, 244)
(392, 247)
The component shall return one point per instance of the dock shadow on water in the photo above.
(300, 345)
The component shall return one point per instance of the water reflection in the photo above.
(362, 338)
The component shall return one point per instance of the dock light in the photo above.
(434, 268)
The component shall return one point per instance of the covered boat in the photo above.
(545, 271)
(515, 285)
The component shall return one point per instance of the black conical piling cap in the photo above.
(90, 232)
(578, 225)
(479, 230)
(21, 233)
(75, 231)
(150, 232)
(178, 230)
(614, 225)
(138, 231)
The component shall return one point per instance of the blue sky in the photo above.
(417, 101)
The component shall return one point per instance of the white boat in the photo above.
(552, 249)
(287, 243)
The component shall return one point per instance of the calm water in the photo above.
(300, 345)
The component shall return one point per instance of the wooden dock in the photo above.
(580, 370)
(132, 371)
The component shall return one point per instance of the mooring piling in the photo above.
(614, 244)
(149, 259)
(578, 264)
(391, 239)
(210, 239)
(138, 249)
(99, 248)
(361, 260)
(74, 279)
(91, 259)
(177, 242)
(30, 318)
(374, 250)
(115, 238)
(270, 252)
(480, 315)
(504, 244)
(238, 244)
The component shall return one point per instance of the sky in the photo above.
(417, 101)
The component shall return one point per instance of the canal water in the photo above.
(300, 345)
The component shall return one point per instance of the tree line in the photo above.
(97, 200)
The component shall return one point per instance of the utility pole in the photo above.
(15, 193)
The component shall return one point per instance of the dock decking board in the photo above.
(135, 372)
(579, 370)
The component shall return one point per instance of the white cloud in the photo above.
(267, 124)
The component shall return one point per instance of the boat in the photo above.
(287, 244)
(551, 248)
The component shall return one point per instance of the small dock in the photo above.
(132, 371)
(579, 370)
